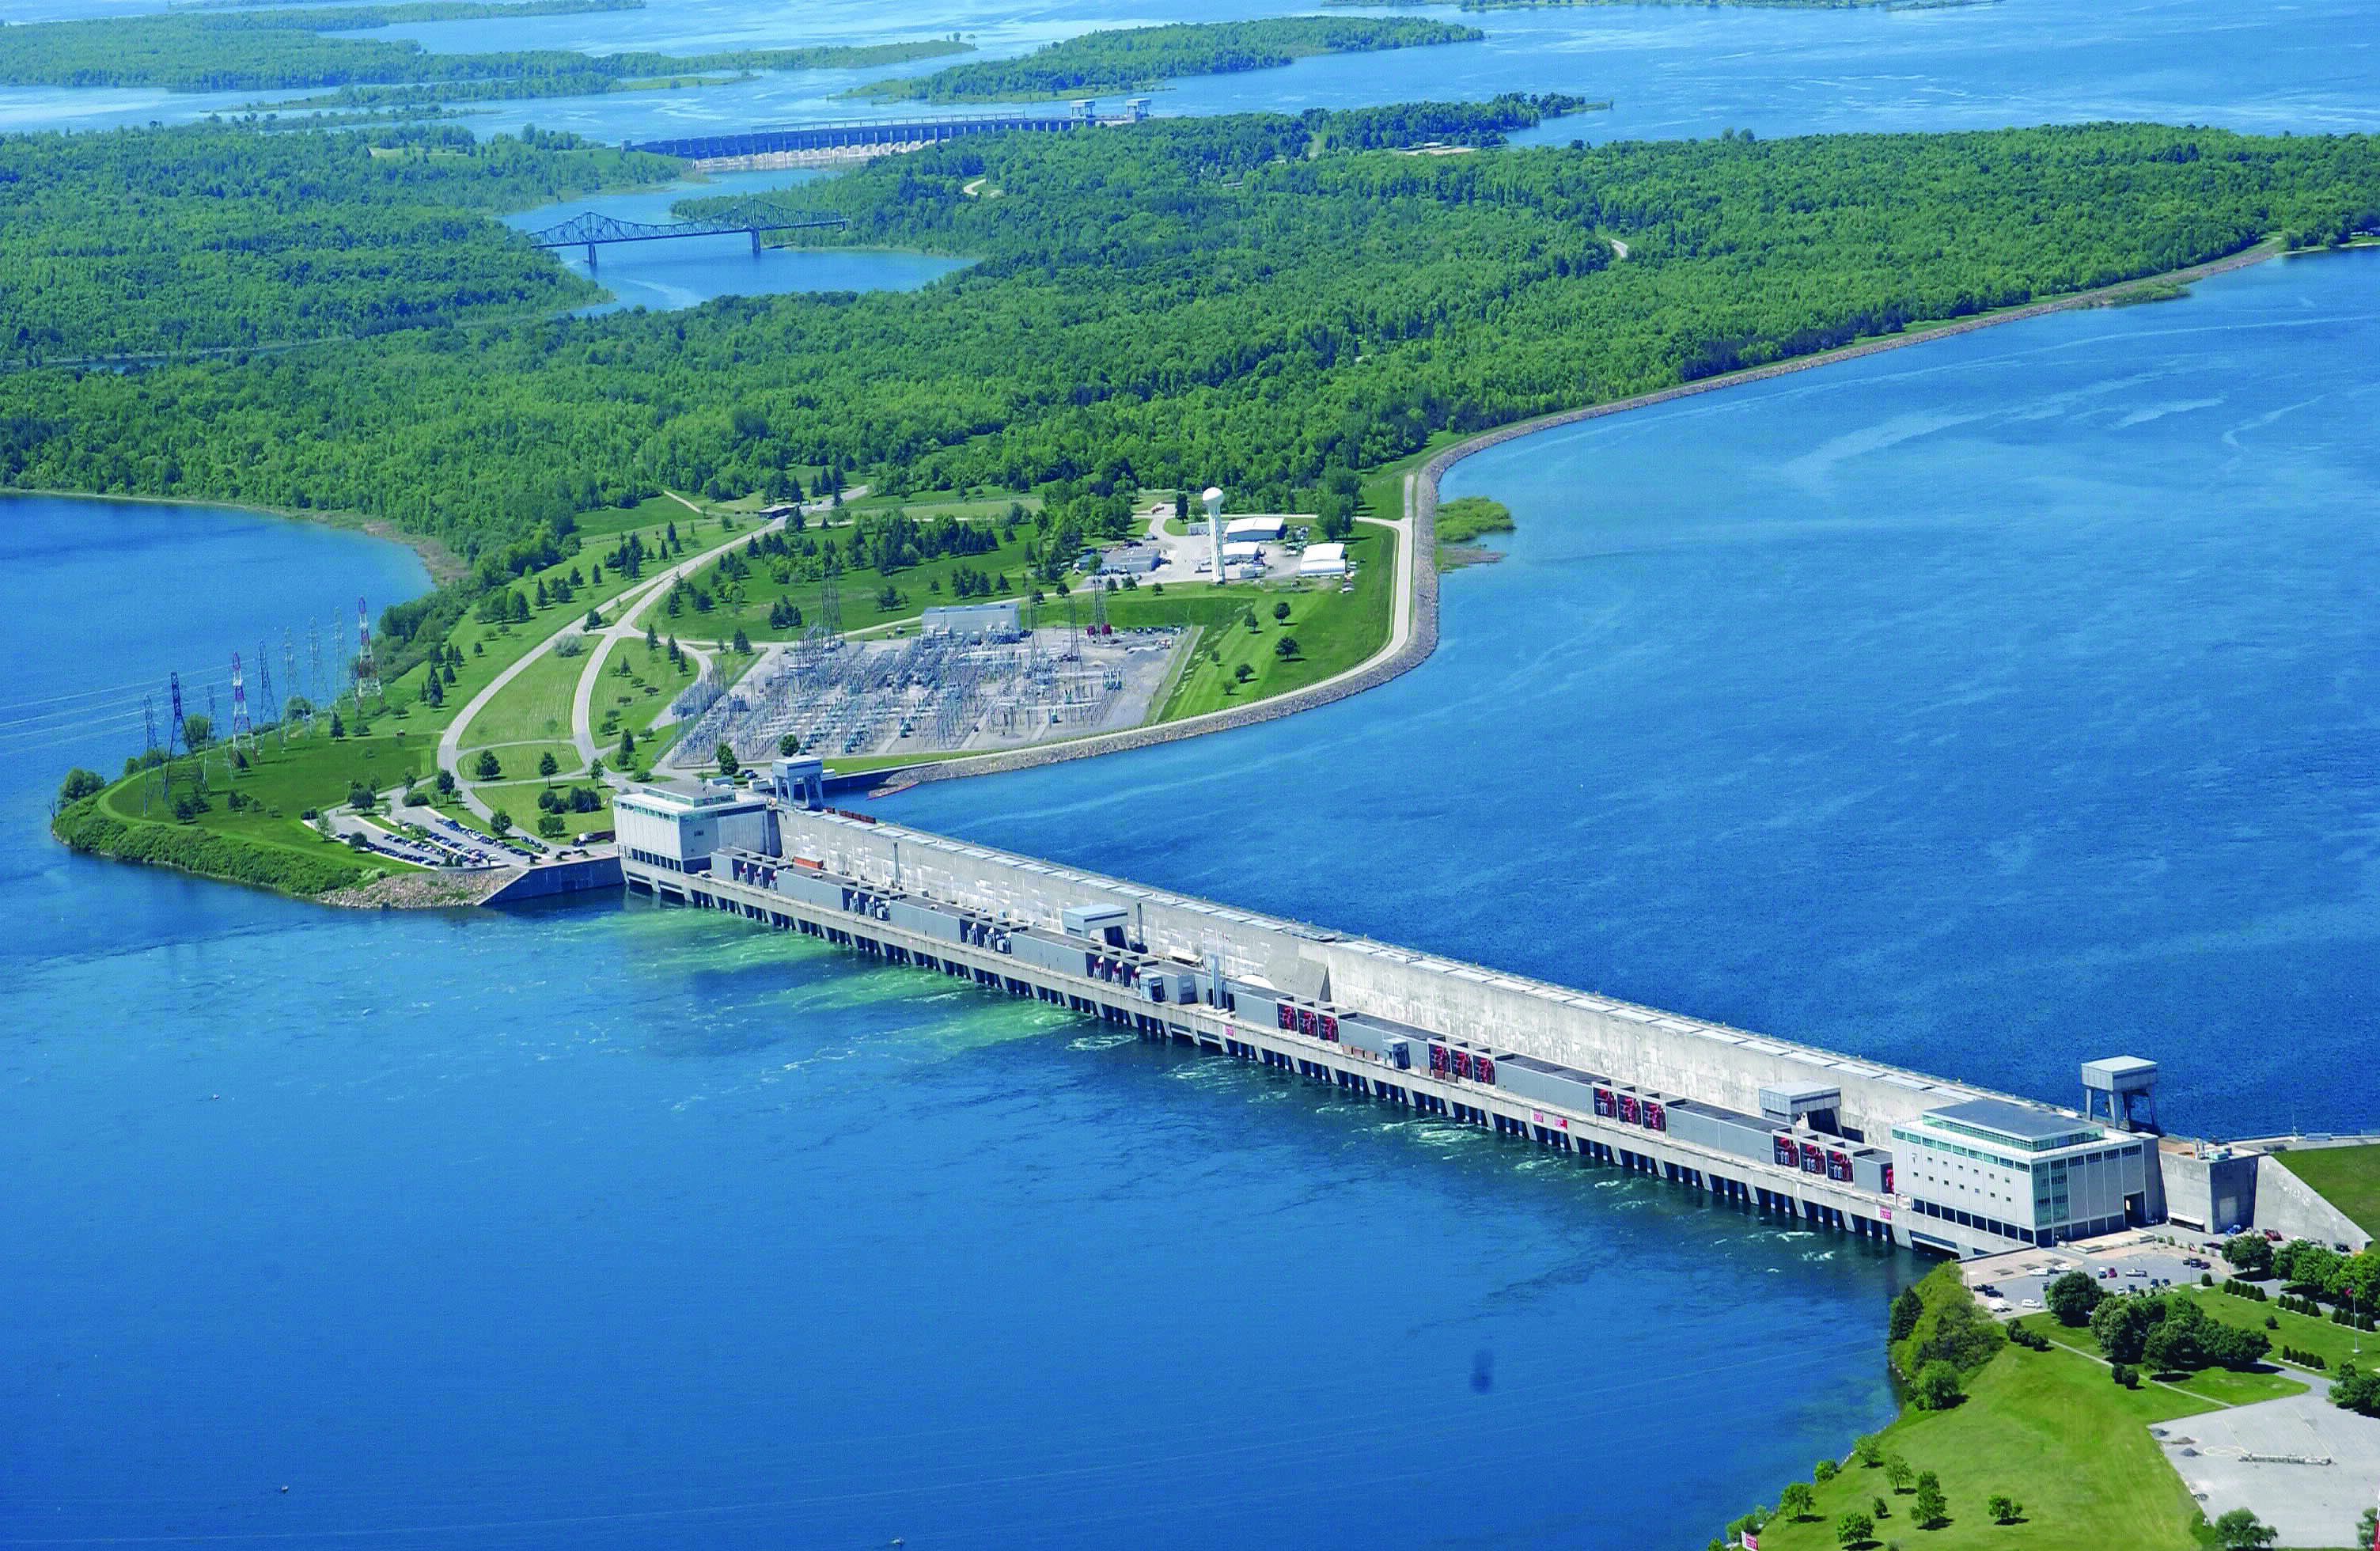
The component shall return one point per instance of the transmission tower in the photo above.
(1099, 612)
(213, 737)
(830, 608)
(316, 680)
(148, 750)
(240, 725)
(174, 731)
(273, 708)
(367, 671)
(289, 671)
(1073, 633)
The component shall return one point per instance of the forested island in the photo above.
(291, 47)
(134, 242)
(1136, 58)
(1188, 301)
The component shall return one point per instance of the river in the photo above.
(1986, 706)
(1680, 70)
(685, 272)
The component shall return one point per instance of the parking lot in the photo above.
(2304, 1466)
(2136, 1261)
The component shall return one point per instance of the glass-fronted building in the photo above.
(2032, 1175)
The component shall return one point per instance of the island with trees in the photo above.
(283, 47)
(1137, 58)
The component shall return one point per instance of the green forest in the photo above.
(234, 51)
(1185, 302)
(1136, 58)
(129, 242)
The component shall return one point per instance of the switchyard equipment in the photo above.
(938, 691)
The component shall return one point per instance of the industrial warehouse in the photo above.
(1855, 1146)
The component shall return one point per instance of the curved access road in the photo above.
(582, 700)
(450, 743)
(1416, 635)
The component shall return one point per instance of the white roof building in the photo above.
(1323, 560)
(1242, 552)
(1259, 531)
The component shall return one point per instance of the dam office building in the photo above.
(1842, 1142)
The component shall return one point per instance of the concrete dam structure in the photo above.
(882, 134)
(1837, 1140)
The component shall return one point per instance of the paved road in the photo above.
(582, 701)
(450, 743)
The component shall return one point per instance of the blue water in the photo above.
(1672, 71)
(1987, 707)
(682, 272)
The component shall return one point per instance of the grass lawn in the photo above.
(859, 589)
(2348, 1177)
(1334, 630)
(2333, 1343)
(2048, 1429)
(2219, 1385)
(519, 799)
(535, 705)
(519, 761)
(634, 700)
(312, 772)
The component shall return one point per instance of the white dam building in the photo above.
(1846, 1143)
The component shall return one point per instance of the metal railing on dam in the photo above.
(774, 139)
(1784, 1126)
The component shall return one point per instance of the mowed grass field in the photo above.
(535, 705)
(2348, 1177)
(1334, 630)
(314, 771)
(2051, 1430)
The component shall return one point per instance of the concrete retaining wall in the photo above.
(553, 879)
(2295, 1210)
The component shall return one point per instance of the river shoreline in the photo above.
(443, 563)
(1418, 571)
(1421, 508)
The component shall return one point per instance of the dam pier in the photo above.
(1836, 1141)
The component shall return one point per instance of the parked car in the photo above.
(2032, 1303)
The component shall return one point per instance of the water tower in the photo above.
(1214, 500)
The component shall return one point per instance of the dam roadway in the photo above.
(1834, 1140)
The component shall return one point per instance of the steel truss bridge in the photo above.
(589, 230)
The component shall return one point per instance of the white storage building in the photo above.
(1323, 560)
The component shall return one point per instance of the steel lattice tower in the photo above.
(367, 671)
(265, 690)
(175, 733)
(1099, 610)
(316, 680)
(240, 726)
(289, 667)
(830, 608)
(149, 748)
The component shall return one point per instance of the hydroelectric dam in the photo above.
(1835, 1140)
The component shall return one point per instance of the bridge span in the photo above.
(589, 230)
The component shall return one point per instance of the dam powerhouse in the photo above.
(1836, 1141)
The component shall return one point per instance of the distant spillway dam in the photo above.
(1837, 1140)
